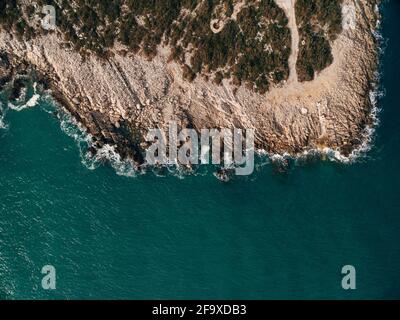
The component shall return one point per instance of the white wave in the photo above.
(107, 153)
(32, 102)
(72, 128)
(3, 125)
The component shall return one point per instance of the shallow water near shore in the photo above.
(271, 235)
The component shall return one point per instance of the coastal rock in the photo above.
(17, 88)
(334, 107)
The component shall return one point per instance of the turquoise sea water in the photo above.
(272, 235)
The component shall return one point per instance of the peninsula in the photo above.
(297, 72)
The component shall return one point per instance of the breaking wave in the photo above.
(377, 92)
(22, 102)
(3, 125)
(107, 154)
(93, 157)
(92, 160)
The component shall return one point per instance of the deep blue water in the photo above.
(270, 236)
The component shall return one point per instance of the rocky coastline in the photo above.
(118, 98)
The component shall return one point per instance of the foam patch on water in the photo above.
(103, 155)
(3, 125)
(108, 154)
(32, 102)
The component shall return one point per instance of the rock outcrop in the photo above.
(120, 97)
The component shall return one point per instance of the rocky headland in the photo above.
(119, 96)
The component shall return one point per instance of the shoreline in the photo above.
(376, 92)
(277, 117)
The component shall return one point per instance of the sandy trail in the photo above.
(289, 7)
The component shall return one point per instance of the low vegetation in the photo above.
(251, 47)
(319, 22)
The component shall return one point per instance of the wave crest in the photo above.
(3, 125)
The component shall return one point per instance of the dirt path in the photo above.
(289, 7)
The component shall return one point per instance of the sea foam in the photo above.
(3, 125)
(21, 104)
(84, 141)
